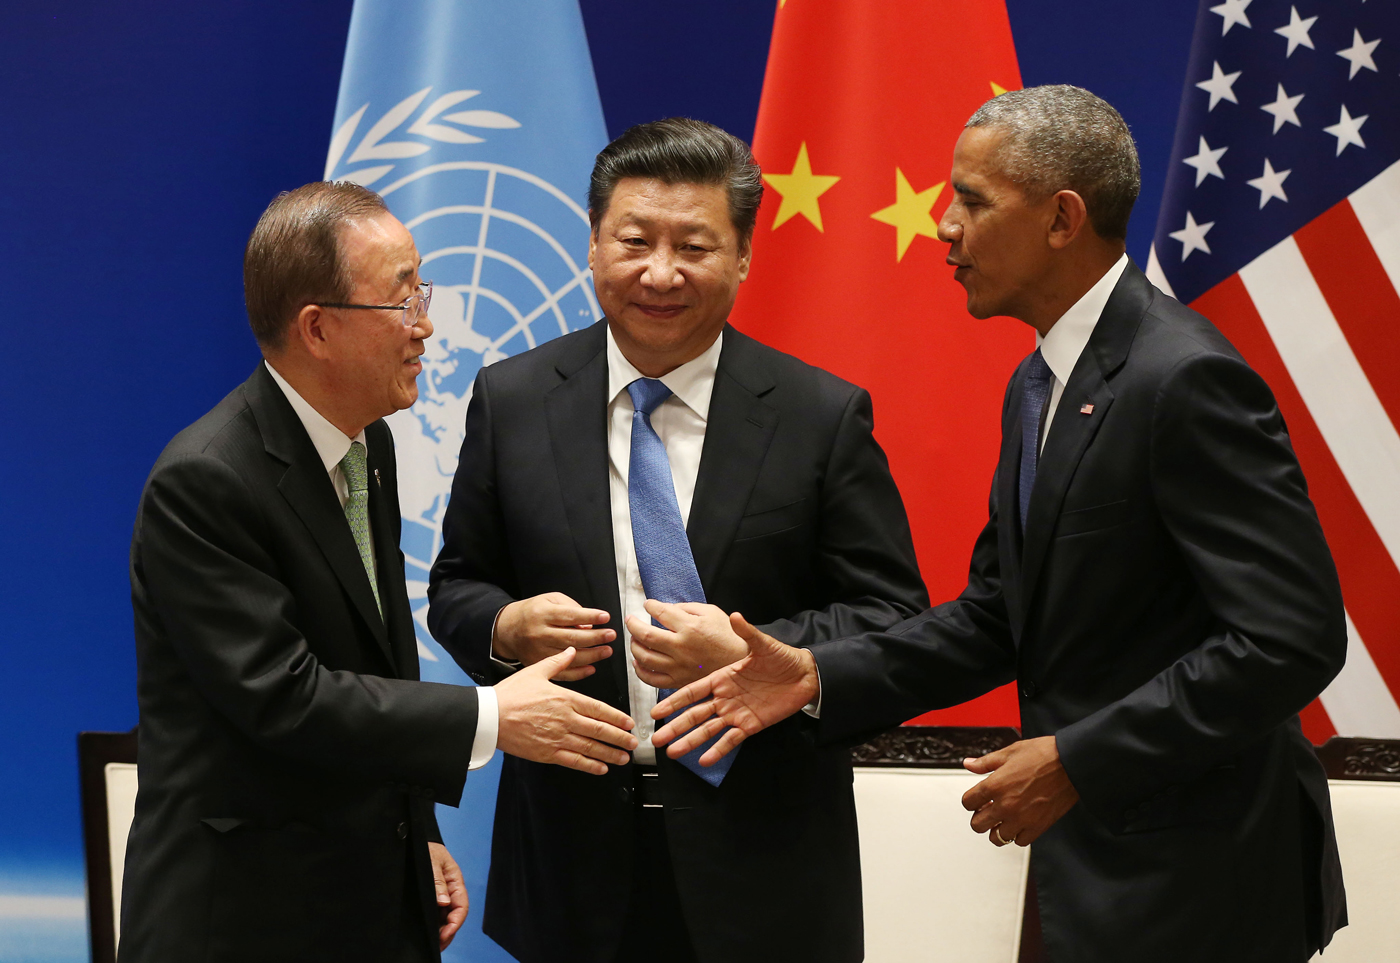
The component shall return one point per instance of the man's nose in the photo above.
(422, 329)
(949, 230)
(662, 273)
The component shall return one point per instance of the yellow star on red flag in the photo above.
(911, 214)
(800, 190)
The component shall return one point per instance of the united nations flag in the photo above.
(478, 122)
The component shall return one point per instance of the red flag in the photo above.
(862, 103)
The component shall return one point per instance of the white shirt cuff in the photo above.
(814, 708)
(488, 725)
(506, 664)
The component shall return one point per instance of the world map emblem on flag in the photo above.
(1281, 223)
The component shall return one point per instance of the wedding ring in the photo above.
(997, 837)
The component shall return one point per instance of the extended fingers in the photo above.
(594, 711)
(570, 759)
(601, 732)
(563, 610)
(727, 744)
(680, 727)
(696, 738)
(590, 649)
(700, 689)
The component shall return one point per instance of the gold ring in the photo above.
(998, 839)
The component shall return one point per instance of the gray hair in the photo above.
(1059, 137)
(293, 256)
(679, 150)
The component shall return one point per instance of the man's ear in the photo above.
(592, 240)
(309, 329)
(745, 257)
(1071, 217)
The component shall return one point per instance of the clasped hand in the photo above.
(694, 640)
(543, 626)
(1025, 794)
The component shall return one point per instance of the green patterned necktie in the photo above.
(357, 510)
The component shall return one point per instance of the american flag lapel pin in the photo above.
(1083, 410)
(381, 484)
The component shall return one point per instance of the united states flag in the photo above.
(1281, 223)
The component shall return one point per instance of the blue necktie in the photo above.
(663, 551)
(1034, 394)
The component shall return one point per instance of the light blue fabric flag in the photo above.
(478, 121)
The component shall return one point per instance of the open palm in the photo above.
(765, 687)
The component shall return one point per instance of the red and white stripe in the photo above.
(1318, 316)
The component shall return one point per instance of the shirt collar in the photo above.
(331, 443)
(1064, 344)
(693, 382)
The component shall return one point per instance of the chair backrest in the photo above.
(1364, 777)
(107, 771)
(933, 889)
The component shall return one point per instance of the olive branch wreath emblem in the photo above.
(430, 124)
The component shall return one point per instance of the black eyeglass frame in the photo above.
(424, 297)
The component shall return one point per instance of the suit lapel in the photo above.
(308, 490)
(738, 431)
(1075, 424)
(576, 413)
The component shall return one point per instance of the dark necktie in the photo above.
(1034, 394)
(664, 559)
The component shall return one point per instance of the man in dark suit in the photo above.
(662, 454)
(289, 759)
(1152, 575)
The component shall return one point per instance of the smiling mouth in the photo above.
(659, 310)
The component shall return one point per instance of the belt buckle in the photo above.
(649, 787)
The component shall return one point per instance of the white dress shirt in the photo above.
(1068, 337)
(332, 444)
(680, 423)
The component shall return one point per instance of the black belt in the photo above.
(646, 786)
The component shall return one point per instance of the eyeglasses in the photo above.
(414, 307)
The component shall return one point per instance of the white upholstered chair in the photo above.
(934, 890)
(1364, 775)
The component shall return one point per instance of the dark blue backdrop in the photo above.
(140, 142)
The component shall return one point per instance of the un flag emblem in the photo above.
(506, 250)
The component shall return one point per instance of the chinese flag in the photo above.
(862, 103)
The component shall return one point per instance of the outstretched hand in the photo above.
(1025, 794)
(544, 722)
(765, 687)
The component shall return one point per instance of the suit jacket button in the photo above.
(623, 794)
(402, 831)
(1028, 689)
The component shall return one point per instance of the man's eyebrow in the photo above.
(963, 190)
(691, 227)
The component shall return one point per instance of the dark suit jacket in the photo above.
(287, 762)
(1172, 606)
(796, 523)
